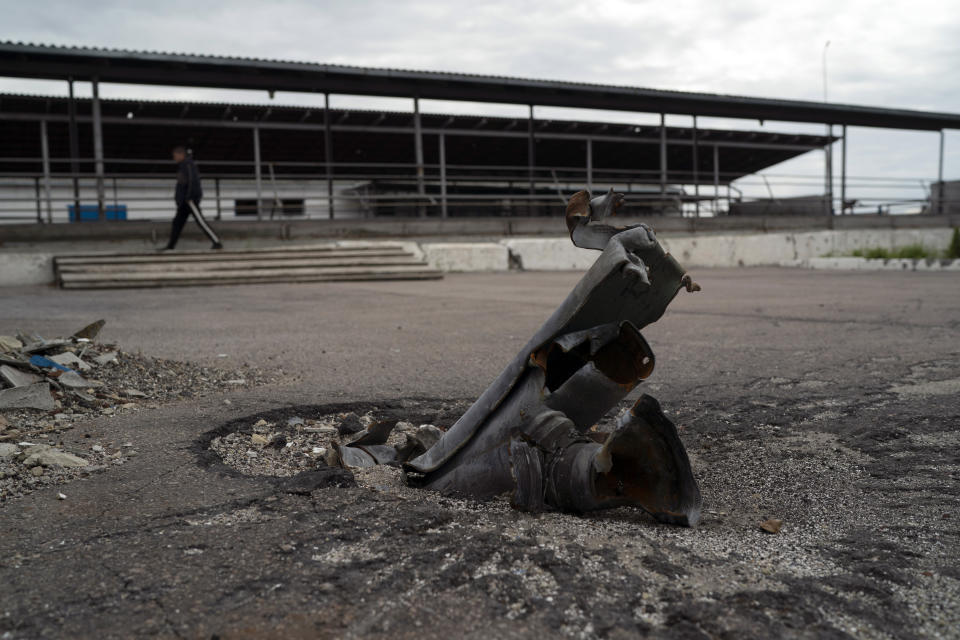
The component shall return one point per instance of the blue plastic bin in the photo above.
(89, 213)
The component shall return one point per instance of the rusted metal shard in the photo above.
(584, 216)
(376, 433)
(354, 457)
(90, 331)
(527, 434)
(642, 463)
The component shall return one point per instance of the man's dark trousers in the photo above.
(184, 211)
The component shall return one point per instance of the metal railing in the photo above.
(365, 189)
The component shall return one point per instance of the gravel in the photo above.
(288, 446)
(801, 514)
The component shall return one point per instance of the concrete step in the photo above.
(229, 264)
(214, 256)
(244, 276)
(324, 263)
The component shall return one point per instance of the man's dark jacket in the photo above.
(188, 183)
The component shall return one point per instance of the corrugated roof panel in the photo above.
(146, 67)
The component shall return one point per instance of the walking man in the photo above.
(187, 196)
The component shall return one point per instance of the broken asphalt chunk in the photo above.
(85, 399)
(306, 481)
(90, 331)
(9, 343)
(350, 423)
(16, 377)
(32, 396)
(46, 456)
(8, 450)
(70, 359)
(106, 358)
(773, 525)
(42, 346)
(74, 380)
(427, 435)
(418, 442)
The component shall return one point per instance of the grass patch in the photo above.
(909, 252)
(953, 250)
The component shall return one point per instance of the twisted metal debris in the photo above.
(531, 432)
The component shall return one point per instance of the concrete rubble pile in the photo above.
(45, 374)
(47, 385)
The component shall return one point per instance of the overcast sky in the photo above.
(894, 53)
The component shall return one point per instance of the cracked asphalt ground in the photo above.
(828, 400)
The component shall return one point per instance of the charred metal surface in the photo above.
(529, 434)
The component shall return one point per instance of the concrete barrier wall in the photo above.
(466, 256)
(733, 250)
(18, 269)
(439, 229)
(35, 266)
(549, 254)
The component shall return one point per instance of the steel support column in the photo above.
(843, 172)
(443, 175)
(696, 171)
(74, 146)
(328, 153)
(531, 157)
(663, 162)
(716, 179)
(590, 164)
(98, 148)
(940, 189)
(37, 199)
(418, 151)
(45, 155)
(828, 172)
(256, 170)
(216, 186)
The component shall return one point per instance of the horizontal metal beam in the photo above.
(147, 68)
(302, 126)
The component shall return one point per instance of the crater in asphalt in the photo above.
(291, 441)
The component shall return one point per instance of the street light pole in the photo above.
(826, 45)
(828, 149)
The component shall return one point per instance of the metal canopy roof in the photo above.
(141, 67)
(144, 130)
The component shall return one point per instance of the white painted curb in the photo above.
(864, 264)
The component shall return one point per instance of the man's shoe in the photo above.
(217, 246)
(165, 250)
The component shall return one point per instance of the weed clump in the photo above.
(909, 252)
(953, 249)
